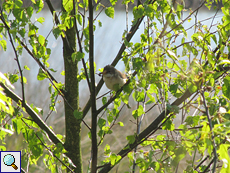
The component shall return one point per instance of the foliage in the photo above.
(185, 76)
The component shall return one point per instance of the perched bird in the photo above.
(113, 78)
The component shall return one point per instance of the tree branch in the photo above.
(32, 113)
(144, 134)
(80, 45)
(94, 148)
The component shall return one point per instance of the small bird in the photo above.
(113, 78)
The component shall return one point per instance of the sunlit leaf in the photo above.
(109, 12)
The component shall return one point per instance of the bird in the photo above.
(113, 78)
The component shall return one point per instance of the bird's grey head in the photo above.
(109, 69)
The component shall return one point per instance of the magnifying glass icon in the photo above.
(9, 160)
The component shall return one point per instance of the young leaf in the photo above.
(226, 87)
(78, 114)
(109, 12)
(41, 75)
(41, 40)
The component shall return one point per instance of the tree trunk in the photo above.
(73, 126)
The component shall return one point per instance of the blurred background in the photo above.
(108, 40)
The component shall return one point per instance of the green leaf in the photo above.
(2, 148)
(101, 122)
(86, 3)
(168, 125)
(41, 20)
(179, 7)
(125, 98)
(139, 96)
(68, 5)
(180, 154)
(151, 98)
(63, 73)
(56, 32)
(24, 80)
(3, 44)
(107, 149)
(138, 12)
(79, 19)
(110, 118)
(114, 159)
(107, 129)
(224, 156)
(18, 3)
(78, 114)
(53, 70)
(214, 38)
(99, 23)
(226, 87)
(171, 145)
(77, 56)
(30, 11)
(192, 120)
(41, 75)
(104, 100)
(192, 88)
(18, 125)
(138, 112)
(13, 78)
(120, 124)
(173, 88)
(113, 2)
(131, 139)
(22, 32)
(26, 67)
(39, 5)
(41, 40)
(109, 12)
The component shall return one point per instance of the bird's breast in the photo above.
(112, 81)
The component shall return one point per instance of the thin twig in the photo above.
(48, 148)
(113, 123)
(80, 45)
(16, 55)
(211, 129)
(51, 110)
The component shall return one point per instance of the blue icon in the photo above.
(9, 160)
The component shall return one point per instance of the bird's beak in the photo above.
(102, 73)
